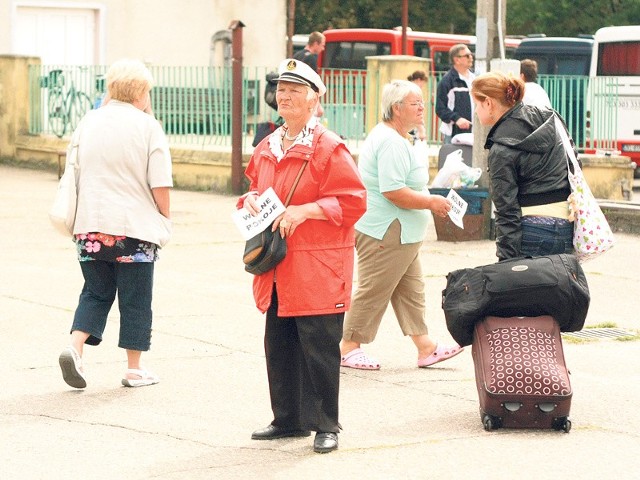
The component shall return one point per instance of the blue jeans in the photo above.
(133, 283)
(553, 236)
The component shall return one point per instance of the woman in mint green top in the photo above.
(387, 164)
(390, 234)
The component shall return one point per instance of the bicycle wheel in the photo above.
(79, 106)
(57, 112)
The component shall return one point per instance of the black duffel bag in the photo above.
(526, 287)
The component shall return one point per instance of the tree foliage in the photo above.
(568, 18)
(552, 17)
(424, 15)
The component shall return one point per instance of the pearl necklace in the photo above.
(287, 137)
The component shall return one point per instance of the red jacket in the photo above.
(316, 276)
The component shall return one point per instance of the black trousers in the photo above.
(303, 368)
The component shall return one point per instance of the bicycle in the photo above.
(66, 107)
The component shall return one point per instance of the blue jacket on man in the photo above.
(453, 101)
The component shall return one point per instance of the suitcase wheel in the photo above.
(490, 422)
(562, 423)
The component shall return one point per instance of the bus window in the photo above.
(546, 65)
(509, 52)
(421, 49)
(574, 65)
(558, 55)
(442, 62)
(621, 59)
(352, 55)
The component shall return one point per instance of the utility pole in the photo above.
(490, 30)
(405, 22)
(291, 25)
(236, 27)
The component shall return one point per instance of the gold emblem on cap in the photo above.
(291, 65)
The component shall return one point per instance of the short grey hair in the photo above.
(394, 93)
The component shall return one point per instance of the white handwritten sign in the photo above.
(270, 208)
(458, 208)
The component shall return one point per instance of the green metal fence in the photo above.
(345, 103)
(194, 103)
(61, 95)
(602, 113)
(568, 95)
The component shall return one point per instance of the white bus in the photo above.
(613, 116)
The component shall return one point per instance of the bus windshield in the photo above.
(352, 54)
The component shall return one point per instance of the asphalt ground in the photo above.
(399, 423)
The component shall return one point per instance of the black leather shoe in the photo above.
(325, 442)
(272, 432)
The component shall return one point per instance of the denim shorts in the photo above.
(546, 236)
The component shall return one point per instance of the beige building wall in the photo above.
(167, 32)
(14, 95)
(382, 70)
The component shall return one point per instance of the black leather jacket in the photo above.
(527, 166)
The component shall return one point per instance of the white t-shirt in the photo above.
(535, 95)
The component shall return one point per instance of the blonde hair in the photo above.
(506, 90)
(128, 80)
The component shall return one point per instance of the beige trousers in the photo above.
(387, 272)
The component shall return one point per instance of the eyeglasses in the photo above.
(467, 55)
(414, 104)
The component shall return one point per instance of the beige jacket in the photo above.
(122, 154)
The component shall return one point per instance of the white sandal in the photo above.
(146, 378)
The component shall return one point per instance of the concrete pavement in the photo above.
(399, 423)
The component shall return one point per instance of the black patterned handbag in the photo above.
(267, 249)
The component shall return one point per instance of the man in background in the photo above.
(534, 94)
(309, 55)
(453, 100)
(315, 45)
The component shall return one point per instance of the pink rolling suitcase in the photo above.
(521, 375)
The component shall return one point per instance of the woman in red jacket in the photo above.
(306, 295)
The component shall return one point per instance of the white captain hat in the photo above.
(295, 71)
